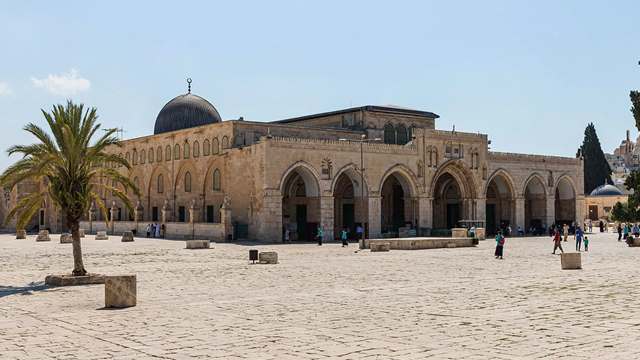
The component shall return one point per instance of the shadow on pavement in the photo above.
(24, 290)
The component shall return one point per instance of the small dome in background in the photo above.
(606, 190)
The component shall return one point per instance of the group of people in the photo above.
(343, 235)
(557, 233)
(626, 230)
(155, 230)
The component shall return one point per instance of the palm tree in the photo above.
(70, 169)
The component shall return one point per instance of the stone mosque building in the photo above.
(241, 179)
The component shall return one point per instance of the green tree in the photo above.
(622, 212)
(635, 106)
(596, 168)
(69, 167)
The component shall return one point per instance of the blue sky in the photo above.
(530, 74)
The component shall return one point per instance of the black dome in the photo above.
(606, 190)
(185, 111)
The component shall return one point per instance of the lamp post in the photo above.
(362, 141)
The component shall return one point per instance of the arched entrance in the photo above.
(300, 204)
(397, 204)
(348, 204)
(447, 202)
(565, 203)
(500, 203)
(535, 205)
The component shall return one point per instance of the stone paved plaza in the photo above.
(323, 302)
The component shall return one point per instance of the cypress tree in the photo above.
(596, 168)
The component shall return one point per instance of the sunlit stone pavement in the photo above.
(323, 302)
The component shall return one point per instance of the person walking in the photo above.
(557, 242)
(163, 228)
(499, 245)
(157, 228)
(586, 243)
(619, 232)
(148, 230)
(287, 234)
(344, 236)
(590, 226)
(579, 236)
(319, 235)
(565, 231)
(625, 231)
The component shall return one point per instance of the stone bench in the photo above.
(127, 236)
(81, 231)
(102, 235)
(459, 233)
(65, 238)
(43, 235)
(120, 291)
(570, 261)
(380, 246)
(268, 257)
(198, 244)
(21, 234)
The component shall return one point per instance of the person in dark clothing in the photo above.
(557, 242)
(344, 236)
(619, 232)
(499, 245)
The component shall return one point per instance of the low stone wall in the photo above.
(421, 243)
(174, 230)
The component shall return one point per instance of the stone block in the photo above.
(65, 238)
(459, 233)
(198, 244)
(127, 236)
(481, 233)
(43, 235)
(102, 235)
(451, 245)
(380, 246)
(69, 280)
(21, 234)
(268, 257)
(120, 291)
(635, 242)
(570, 261)
(81, 231)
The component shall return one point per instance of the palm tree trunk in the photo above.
(78, 265)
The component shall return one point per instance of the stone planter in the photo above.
(380, 247)
(127, 236)
(21, 234)
(120, 291)
(65, 238)
(459, 233)
(102, 235)
(570, 261)
(268, 257)
(198, 244)
(43, 235)
(69, 280)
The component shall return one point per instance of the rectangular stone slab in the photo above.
(102, 235)
(198, 244)
(21, 234)
(127, 236)
(65, 238)
(380, 246)
(268, 257)
(120, 291)
(571, 261)
(459, 233)
(69, 280)
(43, 235)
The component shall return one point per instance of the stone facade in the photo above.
(299, 174)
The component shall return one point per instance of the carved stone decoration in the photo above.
(327, 167)
(226, 203)
(550, 179)
(420, 168)
(484, 172)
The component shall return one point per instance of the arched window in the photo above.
(176, 152)
(187, 151)
(216, 146)
(160, 184)
(167, 153)
(196, 149)
(128, 157)
(216, 180)
(401, 135)
(206, 148)
(151, 153)
(135, 157)
(143, 156)
(187, 182)
(159, 154)
(225, 142)
(389, 134)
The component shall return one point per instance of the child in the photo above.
(344, 236)
(586, 243)
(557, 242)
(499, 245)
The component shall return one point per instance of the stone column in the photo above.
(90, 216)
(375, 212)
(481, 211)
(580, 209)
(225, 219)
(192, 213)
(520, 213)
(551, 210)
(268, 223)
(136, 215)
(425, 212)
(326, 216)
(112, 212)
(166, 212)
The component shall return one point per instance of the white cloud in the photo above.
(5, 89)
(65, 84)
